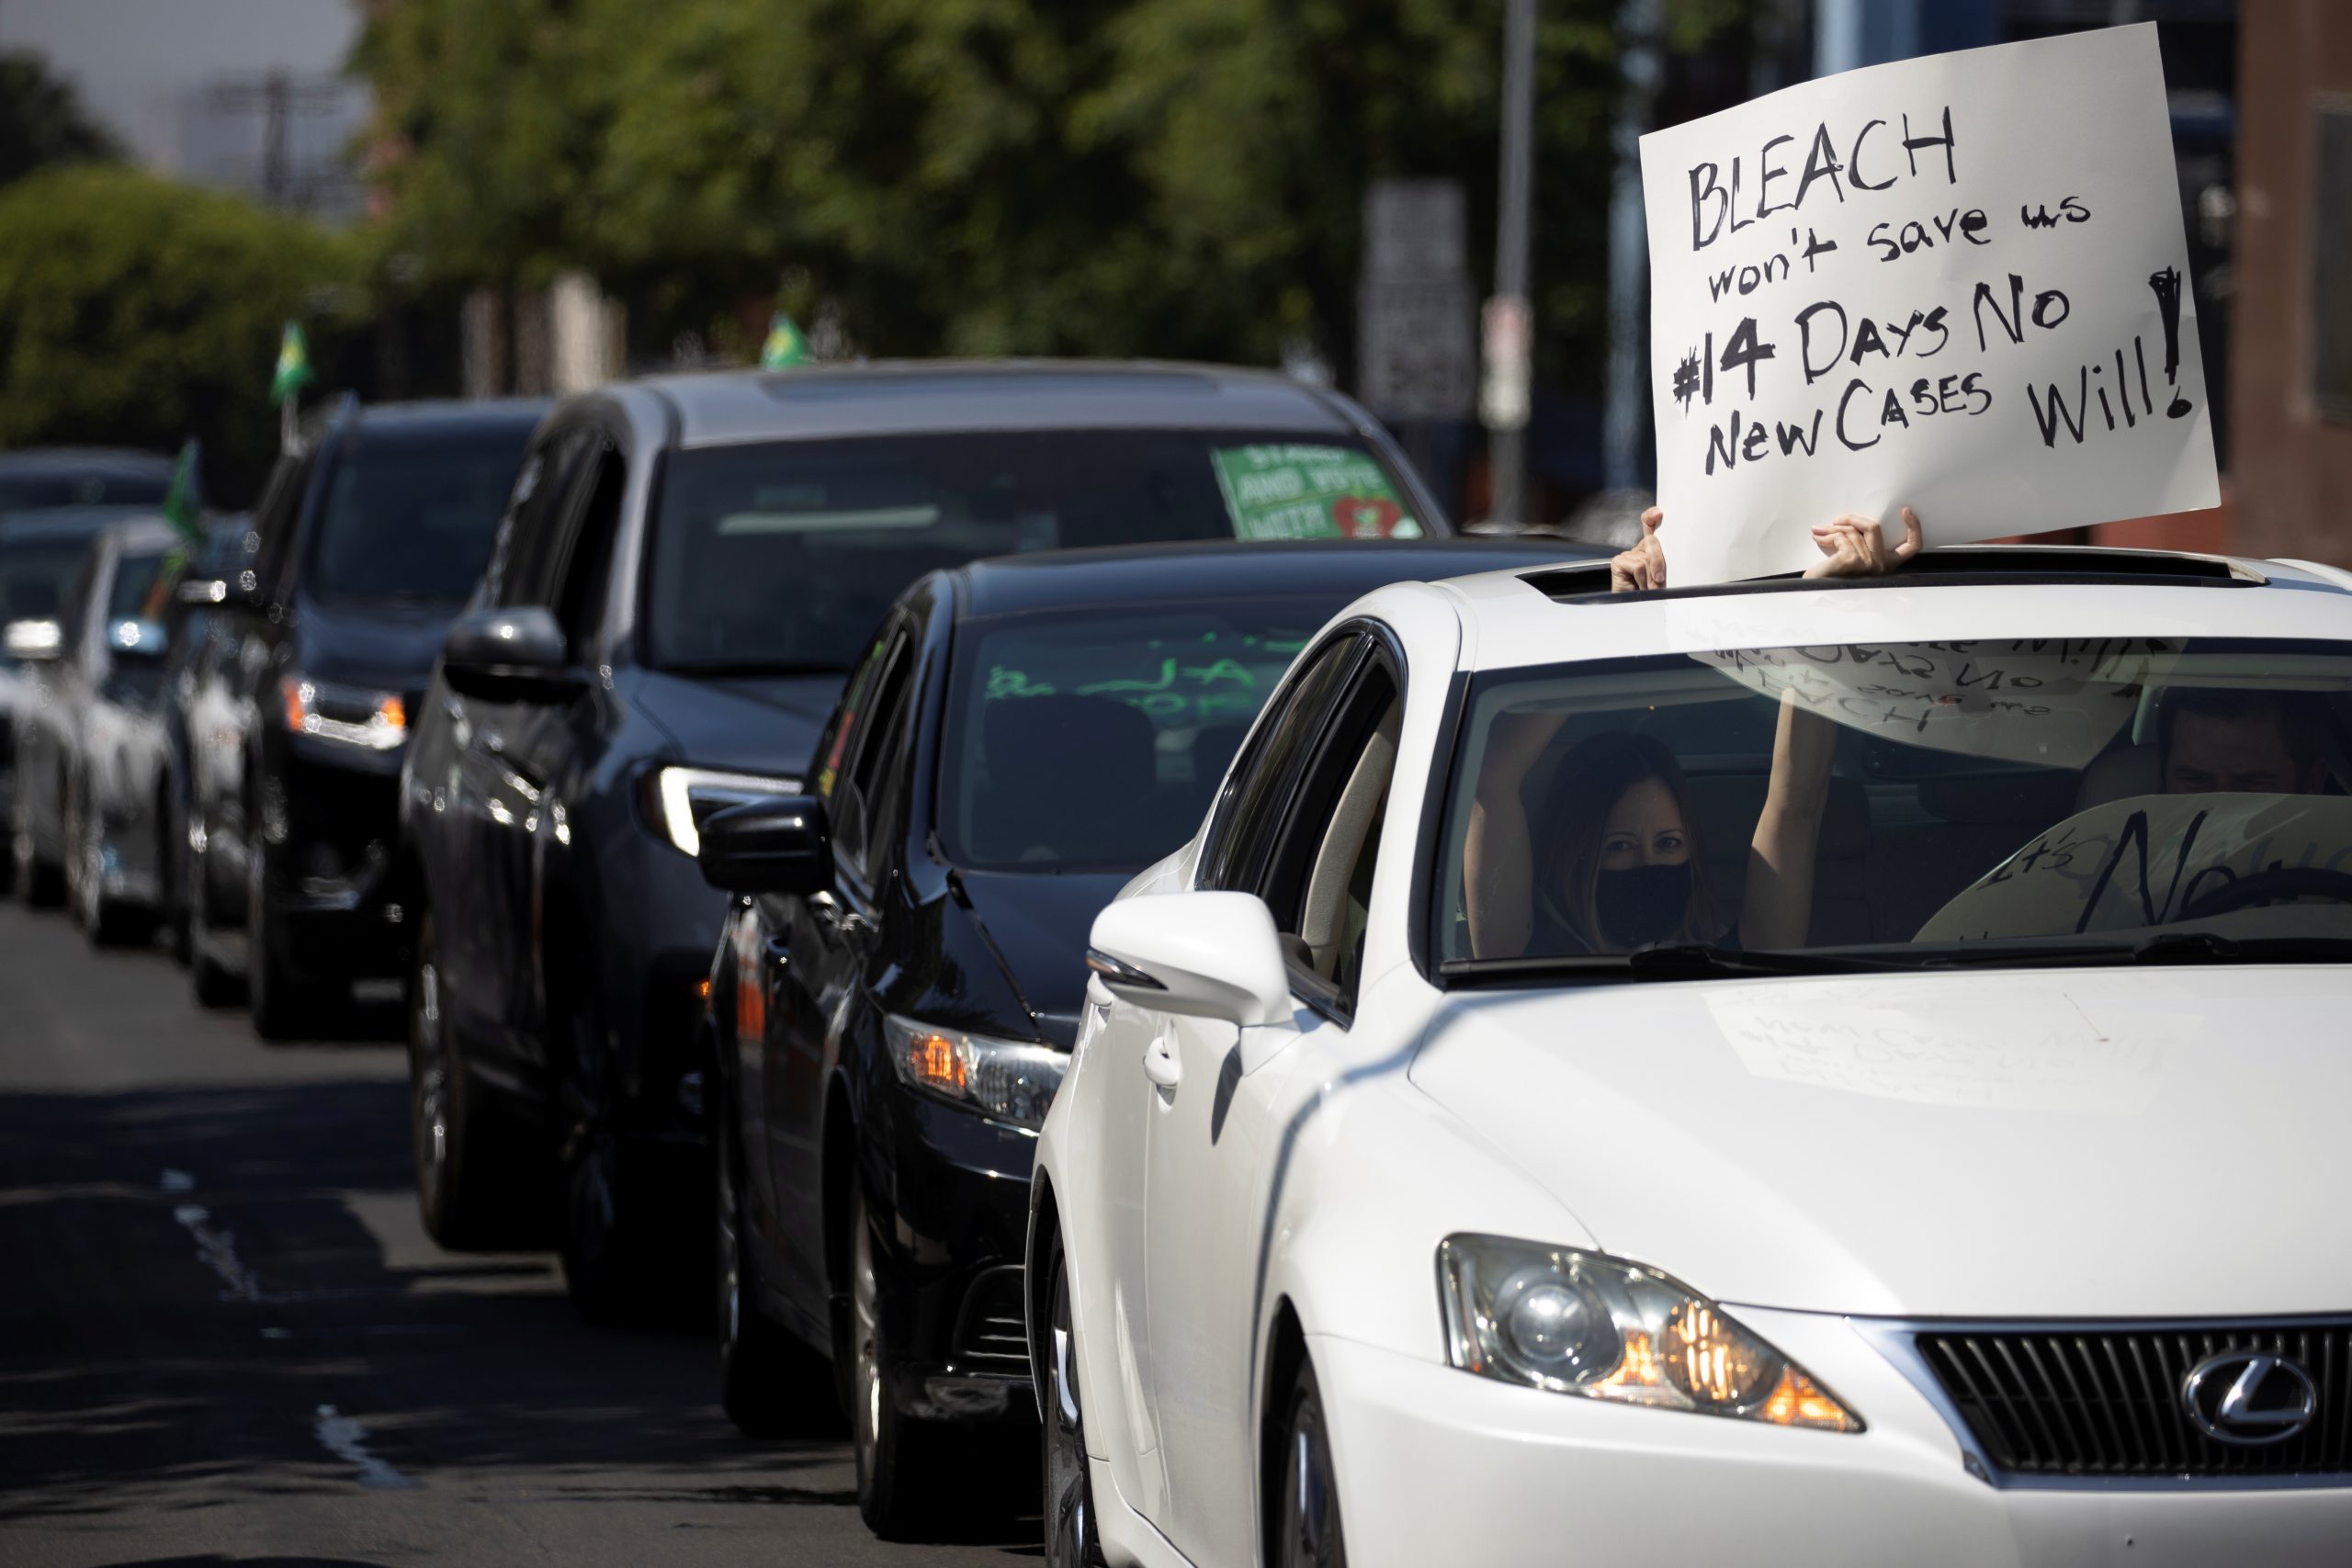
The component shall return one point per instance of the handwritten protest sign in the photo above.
(1309, 492)
(1958, 284)
(2049, 702)
(2155, 860)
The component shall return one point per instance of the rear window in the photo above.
(783, 556)
(39, 493)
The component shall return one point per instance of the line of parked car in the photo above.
(1062, 905)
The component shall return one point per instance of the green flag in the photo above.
(179, 502)
(785, 348)
(294, 371)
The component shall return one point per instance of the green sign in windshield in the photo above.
(1310, 493)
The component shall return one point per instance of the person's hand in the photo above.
(1644, 566)
(1856, 546)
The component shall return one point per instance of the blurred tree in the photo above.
(41, 121)
(136, 311)
(984, 176)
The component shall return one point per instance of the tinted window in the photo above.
(1094, 739)
(33, 575)
(783, 556)
(1250, 812)
(413, 519)
(134, 584)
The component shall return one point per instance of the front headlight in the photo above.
(1013, 1080)
(350, 715)
(678, 800)
(1584, 1323)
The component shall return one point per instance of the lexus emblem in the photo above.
(2249, 1397)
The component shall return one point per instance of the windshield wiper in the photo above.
(1680, 960)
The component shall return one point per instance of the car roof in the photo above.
(143, 536)
(1138, 574)
(82, 460)
(909, 397)
(428, 420)
(1948, 594)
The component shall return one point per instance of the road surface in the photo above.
(225, 1340)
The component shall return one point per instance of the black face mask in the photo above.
(1642, 904)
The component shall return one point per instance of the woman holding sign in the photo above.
(1625, 867)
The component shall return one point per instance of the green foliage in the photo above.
(986, 176)
(137, 312)
(41, 121)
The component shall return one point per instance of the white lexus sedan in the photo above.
(1825, 1073)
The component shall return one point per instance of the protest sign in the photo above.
(1958, 284)
(2158, 859)
(2047, 701)
(1309, 492)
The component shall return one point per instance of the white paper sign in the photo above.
(2047, 701)
(1958, 284)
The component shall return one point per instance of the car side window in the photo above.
(530, 550)
(1249, 808)
(274, 521)
(856, 796)
(1317, 881)
(580, 603)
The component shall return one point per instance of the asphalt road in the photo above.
(225, 1339)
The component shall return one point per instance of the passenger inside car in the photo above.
(1624, 867)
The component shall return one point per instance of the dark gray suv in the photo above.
(688, 570)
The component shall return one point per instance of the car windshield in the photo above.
(783, 556)
(1092, 740)
(2055, 800)
(411, 519)
(34, 576)
(35, 493)
(132, 596)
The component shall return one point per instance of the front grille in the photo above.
(2108, 1401)
(992, 1335)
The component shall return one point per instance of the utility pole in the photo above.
(1509, 327)
(280, 98)
(1627, 408)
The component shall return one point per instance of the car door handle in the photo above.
(1161, 1062)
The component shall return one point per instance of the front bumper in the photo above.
(1436, 1465)
(328, 821)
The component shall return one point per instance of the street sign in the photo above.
(1414, 355)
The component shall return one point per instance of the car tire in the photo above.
(770, 1384)
(216, 985)
(905, 1477)
(459, 1195)
(1307, 1532)
(611, 1223)
(41, 884)
(283, 1007)
(1070, 1538)
(172, 857)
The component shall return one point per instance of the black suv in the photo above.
(368, 537)
(691, 567)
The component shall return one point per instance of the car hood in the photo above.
(2123, 1143)
(1036, 924)
(385, 644)
(750, 724)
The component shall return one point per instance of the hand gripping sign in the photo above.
(1958, 284)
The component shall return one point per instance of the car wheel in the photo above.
(770, 1384)
(609, 1220)
(216, 985)
(1308, 1530)
(902, 1480)
(39, 883)
(1070, 1540)
(283, 1007)
(458, 1206)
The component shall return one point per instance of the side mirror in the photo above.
(783, 845)
(34, 641)
(512, 655)
(138, 639)
(1202, 954)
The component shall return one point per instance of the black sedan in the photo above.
(900, 979)
(368, 537)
